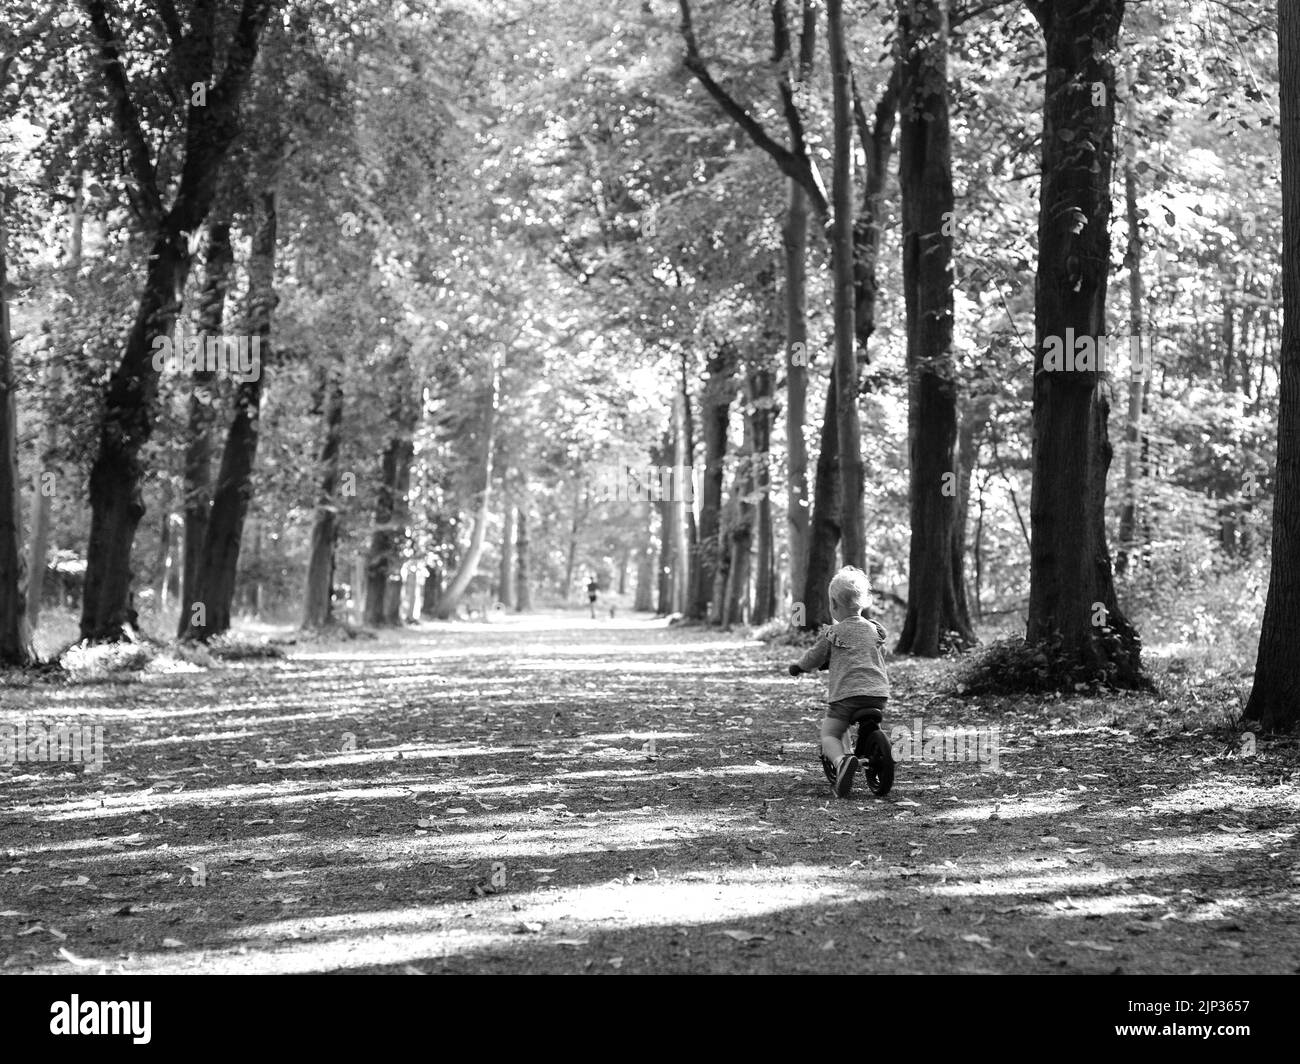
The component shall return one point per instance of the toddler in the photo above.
(859, 686)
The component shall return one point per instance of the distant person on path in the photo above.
(592, 588)
(859, 686)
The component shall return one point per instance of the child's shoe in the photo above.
(828, 766)
(846, 770)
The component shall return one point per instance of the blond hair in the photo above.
(850, 589)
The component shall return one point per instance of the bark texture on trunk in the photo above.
(815, 608)
(849, 432)
(15, 631)
(1072, 604)
(388, 537)
(506, 570)
(219, 564)
(42, 493)
(662, 456)
(318, 600)
(715, 414)
(1275, 696)
(196, 476)
(523, 573)
(468, 567)
(794, 237)
(760, 415)
(936, 615)
(1128, 545)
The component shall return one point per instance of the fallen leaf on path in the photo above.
(173, 943)
(80, 881)
(744, 936)
(1085, 944)
(978, 940)
(72, 958)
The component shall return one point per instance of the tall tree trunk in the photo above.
(506, 572)
(127, 418)
(432, 590)
(381, 550)
(219, 565)
(15, 631)
(715, 413)
(683, 515)
(197, 473)
(392, 511)
(468, 566)
(740, 530)
(662, 456)
(794, 237)
(393, 599)
(849, 432)
(824, 533)
(645, 569)
(1072, 600)
(163, 561)
(764, 548)
(1137, 373)
(1275, 695)
(42, 490)
(252, 590)
(318, 600)
(581, 504)
(38, 551)
(401, 512)
(970, 427)
(936, 615)
(815, 608)
(523, 575)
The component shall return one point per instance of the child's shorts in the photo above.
(857, 709)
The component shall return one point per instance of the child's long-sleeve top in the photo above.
(857, 661)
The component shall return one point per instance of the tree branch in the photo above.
(790, 164)
(966, 14)
(877, 137)
(171, 22)
(225, 94)
(807, 40)
(793, 120)
(125, 116)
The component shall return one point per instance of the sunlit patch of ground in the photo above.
(559, 794)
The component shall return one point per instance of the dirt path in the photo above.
(343, 810)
